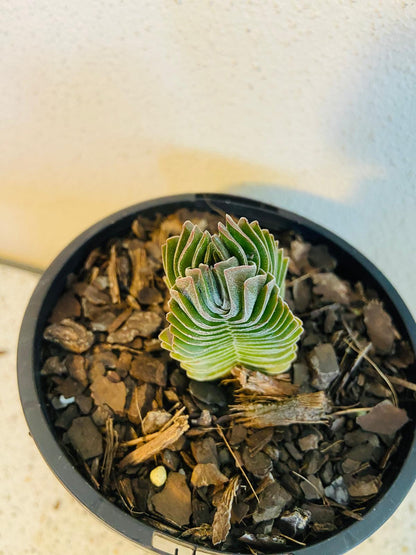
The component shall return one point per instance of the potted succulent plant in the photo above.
(185, 398)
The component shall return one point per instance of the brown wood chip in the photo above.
(379, 327)
(207, 475)
(156, 445)
(140, 277)
(222, 518)
(112, 276)
(174, 502)
(106, 392)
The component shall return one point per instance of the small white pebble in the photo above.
(66, 400)
(61, 402)
(158, 476)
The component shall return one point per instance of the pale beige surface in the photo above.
(309, 105)
(38, 516)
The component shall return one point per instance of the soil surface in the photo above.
(252, 463)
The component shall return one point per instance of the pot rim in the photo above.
(42, 433)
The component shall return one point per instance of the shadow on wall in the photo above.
(371, 125)
(191, 170)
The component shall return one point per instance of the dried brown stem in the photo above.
(292, 539)
(111, 446)
(257, 383)
(403, 383)
(301, 278)
(119, 321)
(351, 411)
(306, 408)
(125, 492)
(149, 437)
(139, 279)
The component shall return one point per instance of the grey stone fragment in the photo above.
(301, 377)
(327, 473)
(357, 437)
(70, 335)
(258, 464)
(309, 442)
(294, 522)
(324, 365)
(384, 418)
(170, 459)
(100, 415)
(141, 402)
(337, 491)
(205, 451)
(85, 437)
(107, 393)
(66, 417)
(302, 294)
(313, 461)
(208, 393)
(350, 465)
(312, 489)
(293, 452)
(272, 501)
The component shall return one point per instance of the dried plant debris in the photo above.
(222, 519)
(304, 408)
(262, 385)
(253, 463)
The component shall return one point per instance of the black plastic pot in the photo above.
(351, 265)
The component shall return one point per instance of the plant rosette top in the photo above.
(226, 306)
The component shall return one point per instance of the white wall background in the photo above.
(307, 105)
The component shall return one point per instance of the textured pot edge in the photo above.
(122, 522)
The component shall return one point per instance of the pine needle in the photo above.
(221, 433)
(403, 383)
(111, 446)
(324, 500)
(377, 369)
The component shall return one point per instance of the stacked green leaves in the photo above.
(226, 305)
